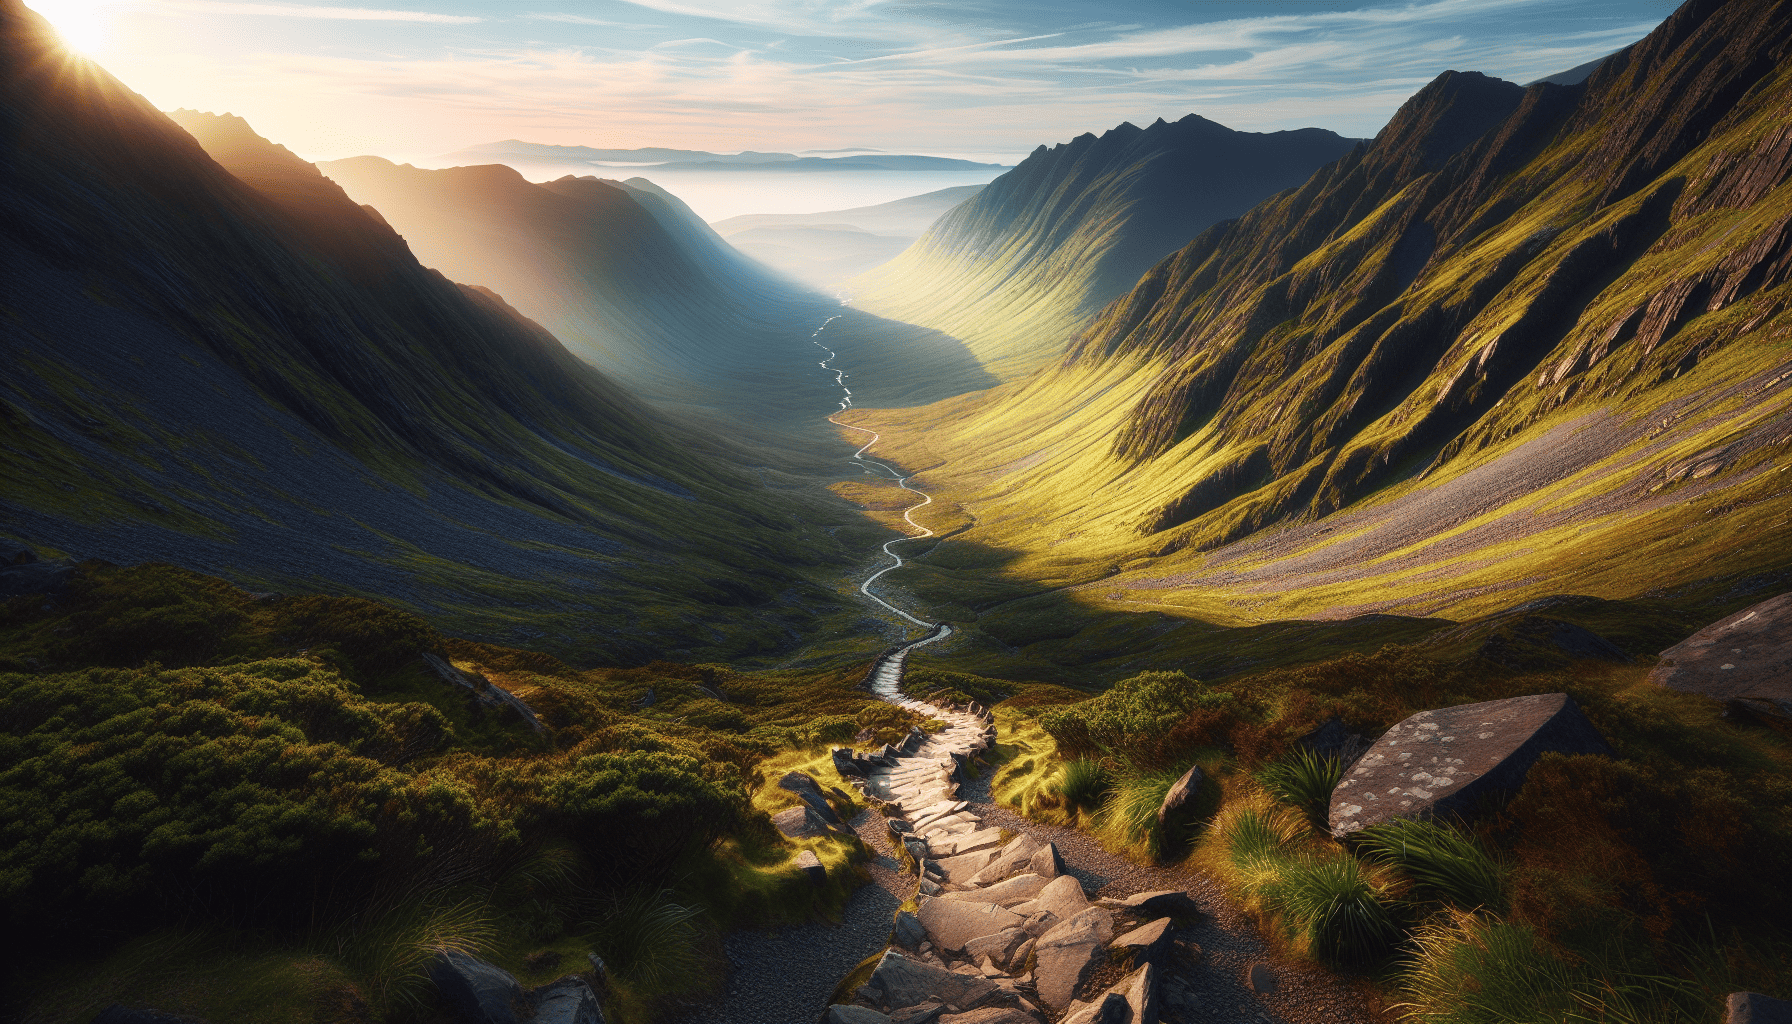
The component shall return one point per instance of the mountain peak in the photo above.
(1447, 116)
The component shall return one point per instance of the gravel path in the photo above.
(784, 976)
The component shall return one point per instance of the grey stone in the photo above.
(1745, 659)
(845, 763)
(799, 783)
(1170, 902)
(897, 981)
(799, 822)
(1180, 794)
(809, 864)
(1064, 957)
(567, 1001)
(841, 795)
(929, 887)
(819, 804)
(925, 1013)
(991, 1015)
(1755, 1008)
(1046, 861)
(1456, 761)
(1062, 896)
(952, 923)
(898, 825)
(1039, 922)
(999, 947)
(1132, 1000)
(1263, 980)
(1148, 943)
(843, 1013)
(908, 931)
(478, 992)
(1018, 851)
(1014, 890)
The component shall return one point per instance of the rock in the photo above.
(841, 795)
(845, 764)
(897, 981)
(1334, 739)
(952, 923)
(799, 783)
(843, 1013)
(1180, 794)
(1170, 902)
(1013, 890)
(1745, 659)
(929, 887)
(916, 847)
(966, 843)
(599, 973)
(1046, 861)
(999, 947)
(567, 1001)
(898, 825)
(908, 932)
(1018, 851)
(478, 992)
(1062, 896)
(119, 1014)
(1039, 922)
(799, 822)
(962, 867)
(823, 810)
(14, 553)
(1147, 944)
(1263, 980)
(809, 864)
(1132, 1000)
(991, 1015)
(1457, 761)
(1754, 1008)
(926, 1013)
(1064, 957)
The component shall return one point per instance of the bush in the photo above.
(1083, 783)
(1149, 720)
(1306, 780)
(637, 812)
(1340, 910)
(1442, 863)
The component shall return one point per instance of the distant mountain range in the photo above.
(1528, 341)
(1017, 270)
(698, 160)
(821, 249)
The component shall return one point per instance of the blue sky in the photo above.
(981, 79)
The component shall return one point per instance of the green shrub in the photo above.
(636, 812)
(1305, 779)
(1331, 900)
(1442, 863)
(1083, 783)
(1137, 721)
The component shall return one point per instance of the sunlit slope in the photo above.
(1020, 267)
(1530, 341)
(256, 379)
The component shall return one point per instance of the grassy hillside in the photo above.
(256, 379)
(1019, 268)
(1528, 342)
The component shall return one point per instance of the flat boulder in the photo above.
(897, 981)
(1064, 957)
(1170, 902)
(799, 822)
(1062, 897)
(1007, 892)
(952, 923)
(1451, 761)
(1180, 794)
(1745, 659)
(962, 867)
(1011, 858)
(845, 1013)
(1132, 1000)
(1148, 943)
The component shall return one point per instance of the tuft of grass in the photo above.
(1442, 863)
(1129, 818)
(390, 955)
(1341, 911)
(1305, 779)
(1083, 783)
(1253, 836)
(1477, 969)
(652, 940)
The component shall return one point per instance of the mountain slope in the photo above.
(1528, 341)
(632, 280)
(1018, 269)
(821, 249)
(267, 386)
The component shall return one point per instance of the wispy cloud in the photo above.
(317, 11)
(579, 19)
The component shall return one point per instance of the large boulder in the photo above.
(1132, 1000)
(1012, 858)
(897, 982)
(799, 822)
(1745, 659)
(1755, 1008)
(1047, 862)
(1064, 957)
(478, 992)
(952, 923)
(1006, 892)
(1062, 896)
(567, 1001)
(1180, 794)
(1162, 902)
(1148, 943)
(999, 948)
(1454, 761)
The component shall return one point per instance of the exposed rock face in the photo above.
(897, 982)
(1180, 794)
(1445, 762)
(952, 923)
(478, 992)
(809, 864)
(842, 1013)
(1745, 659)
(1017, 853)
(1064, 957)
(1148, 943)
(1133, 1000)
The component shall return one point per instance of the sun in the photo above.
(82, 24)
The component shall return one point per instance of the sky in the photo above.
(980, 79)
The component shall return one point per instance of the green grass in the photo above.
(1129, 817)
(1343, 915)
(1305, 779)
(1442, 863)
(1083, 783)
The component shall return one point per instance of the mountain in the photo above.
(1015, 271)
(632, 280)
(1526, 342)
(254, 377)
(822, 248)
(584, 158)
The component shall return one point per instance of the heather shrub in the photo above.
(636, 812)
(1149, 720)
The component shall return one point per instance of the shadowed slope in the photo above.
(1528, 341)
(265, 385)
(1019, 268)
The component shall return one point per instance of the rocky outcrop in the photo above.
(1180, 794)
(1744, 660)
(484, 695)
(1453, 761)
(481, 993)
